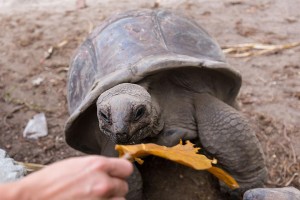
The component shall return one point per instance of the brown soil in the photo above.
(270, 94)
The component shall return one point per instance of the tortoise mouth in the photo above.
(137, 137)
(129, 140)
(123, 140)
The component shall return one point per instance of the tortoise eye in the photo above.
(139, 113)
(105, 117)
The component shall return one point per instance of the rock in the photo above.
(9, 170)
(36, 127)
(285, 193)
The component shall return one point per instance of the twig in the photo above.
(23, 104)
(290, 143)
(284, 170)
(30, 167)
(5, 121)
(62, 44)
(51, 49)
(291, 179)
(62, 69)
(15, 109)
(255, 49)
(127, 156)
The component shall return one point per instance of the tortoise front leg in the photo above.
(227, 135)
(135, 183)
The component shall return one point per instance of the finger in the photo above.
(115, 167)
(113, 198)
(119, 168)
(111, 187)
(119, 187)
(117, 198)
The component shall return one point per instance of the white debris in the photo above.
(9, 170)
(37, 81)
(36, 127)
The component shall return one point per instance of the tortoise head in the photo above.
(127, 115)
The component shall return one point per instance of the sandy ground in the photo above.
(270, 95)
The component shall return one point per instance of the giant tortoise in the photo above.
(156, 76)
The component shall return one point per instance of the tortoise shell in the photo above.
(127, 48)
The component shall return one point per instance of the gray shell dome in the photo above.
(129, 47)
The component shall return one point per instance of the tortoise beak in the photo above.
(121, 131)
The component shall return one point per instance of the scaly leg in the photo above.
(227, 135)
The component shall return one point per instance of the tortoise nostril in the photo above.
(122, 138)
(122, 134)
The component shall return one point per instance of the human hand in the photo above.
(82, 178)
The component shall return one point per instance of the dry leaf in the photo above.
(183, 154)
(224, 176)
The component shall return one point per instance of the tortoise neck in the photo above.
(158, 122)
(157, 119)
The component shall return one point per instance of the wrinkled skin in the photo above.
(126, 114)
(185, 104)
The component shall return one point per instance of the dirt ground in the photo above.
(270, 95)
